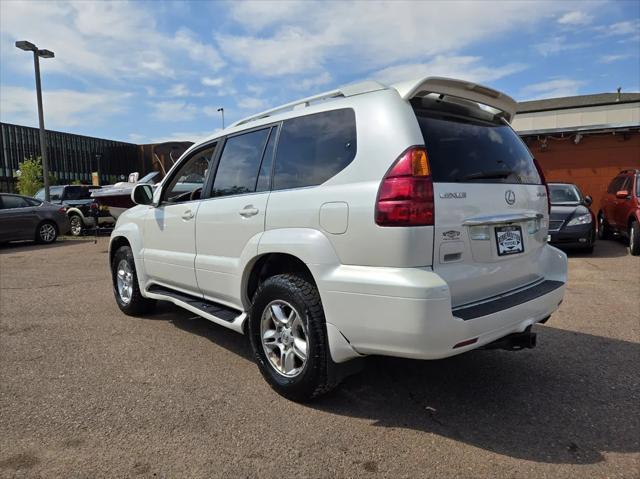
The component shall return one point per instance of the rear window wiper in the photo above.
(487, 175)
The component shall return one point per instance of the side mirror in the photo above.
(622, 194)
(142, 194)
(588, 200)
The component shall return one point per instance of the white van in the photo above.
(406, 220)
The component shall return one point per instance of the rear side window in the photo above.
(462, 149)
(10, 202)
(77, 193)
(313, 148)
(238, 169)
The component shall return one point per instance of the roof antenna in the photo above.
(619, 97)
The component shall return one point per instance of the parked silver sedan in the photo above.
(24, 218)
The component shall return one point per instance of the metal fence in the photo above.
(71, 157)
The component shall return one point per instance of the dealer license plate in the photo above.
(509, 240)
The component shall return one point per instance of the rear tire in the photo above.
(75, 225)
(280, 303)
(47, 232)
(634, 238)
(604, 231)
(125, 284)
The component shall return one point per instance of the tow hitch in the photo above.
(515, 341)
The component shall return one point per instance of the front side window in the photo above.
(239, 163)
(314, 148)
(187, 183)
(615, 185)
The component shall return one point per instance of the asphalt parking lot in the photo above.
(89, 392)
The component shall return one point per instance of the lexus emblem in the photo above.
(510, 197)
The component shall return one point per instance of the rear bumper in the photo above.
(406, 312)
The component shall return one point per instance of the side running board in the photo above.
(215, 312)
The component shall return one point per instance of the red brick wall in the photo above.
(591, 164)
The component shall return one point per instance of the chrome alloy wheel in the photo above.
(47, 232)
(284, 338)
(76, 225)
(124, 281)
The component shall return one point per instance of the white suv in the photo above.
(406, 221)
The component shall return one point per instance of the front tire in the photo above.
(604, 231)
(125, 284)
(47, 232)
(289, 338)
(634, 238)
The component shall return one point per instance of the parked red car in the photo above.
(620, 209)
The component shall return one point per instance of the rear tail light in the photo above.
(544, 182)
(405, 197)
(62, 210)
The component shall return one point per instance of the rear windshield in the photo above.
(464, 149)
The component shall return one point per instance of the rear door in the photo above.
(490, 203)
(18, 219)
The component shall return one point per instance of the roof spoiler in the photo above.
(460, 89)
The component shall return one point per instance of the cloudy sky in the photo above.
(152, 71)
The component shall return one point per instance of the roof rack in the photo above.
(342, 92)
(630, 170)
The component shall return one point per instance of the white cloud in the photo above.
(116, 40)
(312, 82)
(465, 67)
(208, 81)
(557, 44)
(194, 136)
(614, 58)
(308, 37)
(248, 103)
(627, 27)
(172, 111)
(62, 108)
(575, 17)
(555, 88)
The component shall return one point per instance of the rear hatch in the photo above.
(489, 200)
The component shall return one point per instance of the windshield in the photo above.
(563, 194)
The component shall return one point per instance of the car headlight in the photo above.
(580, 220)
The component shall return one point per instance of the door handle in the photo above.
(187, 215)
(248, 211)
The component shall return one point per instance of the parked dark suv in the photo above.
(81, 208)
(620, 209)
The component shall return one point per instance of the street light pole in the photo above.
(221, 110)
(27, 46)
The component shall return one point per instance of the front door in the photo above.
(170, 228)
(18, 218)
(231, 220)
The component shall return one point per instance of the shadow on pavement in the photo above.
(570, 400)
(24, 246)
(602, 249)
